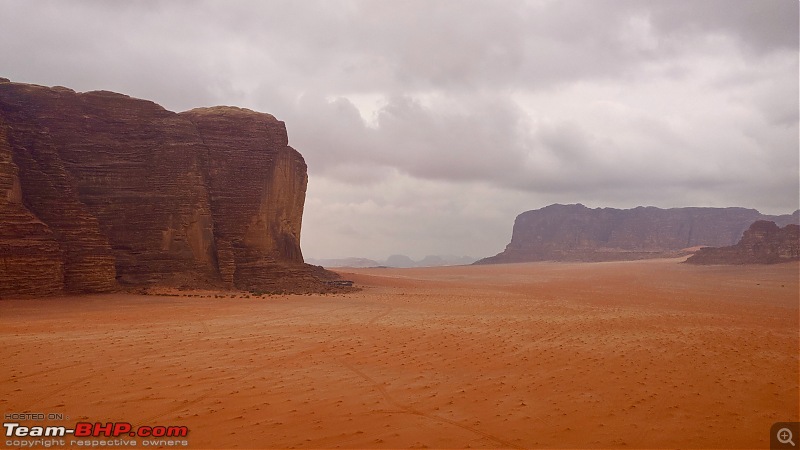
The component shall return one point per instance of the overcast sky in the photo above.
(429, 125)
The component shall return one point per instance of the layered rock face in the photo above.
(763, 243)
(578, 233)
(261, 229)
(31, 261)
(102, 190)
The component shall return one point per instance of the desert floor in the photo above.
(629, 355)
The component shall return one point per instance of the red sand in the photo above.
(629, 355)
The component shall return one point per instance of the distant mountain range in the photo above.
(400, 261)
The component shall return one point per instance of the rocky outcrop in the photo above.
(135, 195)
(763, 243)
(263, 225)
(578, 233)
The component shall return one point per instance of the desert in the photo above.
(400, 224)
(635, 354)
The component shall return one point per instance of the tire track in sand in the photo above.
(409, 410)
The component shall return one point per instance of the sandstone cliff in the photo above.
(763, 243)
(578, 233)
(100, 190)
(30, 256)
(263, 225)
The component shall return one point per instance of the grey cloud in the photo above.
(761, 26)
(394, 46)
(446, 141)
(466, 139)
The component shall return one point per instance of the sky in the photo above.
(429, 125)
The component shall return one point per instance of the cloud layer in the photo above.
(428, 125)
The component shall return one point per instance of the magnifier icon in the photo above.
(785, 436)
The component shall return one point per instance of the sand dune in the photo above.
(628, 355)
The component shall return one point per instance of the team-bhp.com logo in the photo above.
(97, 429)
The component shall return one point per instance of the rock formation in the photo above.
(763, 243)
(100, 190)
(578, 233)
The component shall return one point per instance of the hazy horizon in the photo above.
(420, 257)
(428, 127)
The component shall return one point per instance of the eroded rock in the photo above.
(135, 195)
(763, 243)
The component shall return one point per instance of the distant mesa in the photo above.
(763, 243)
(344, 262)
(401, 261)
(577, 233)
(100, 190)
(396, 261)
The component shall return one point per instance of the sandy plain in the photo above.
(648, 354)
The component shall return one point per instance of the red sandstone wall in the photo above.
(119, 191)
